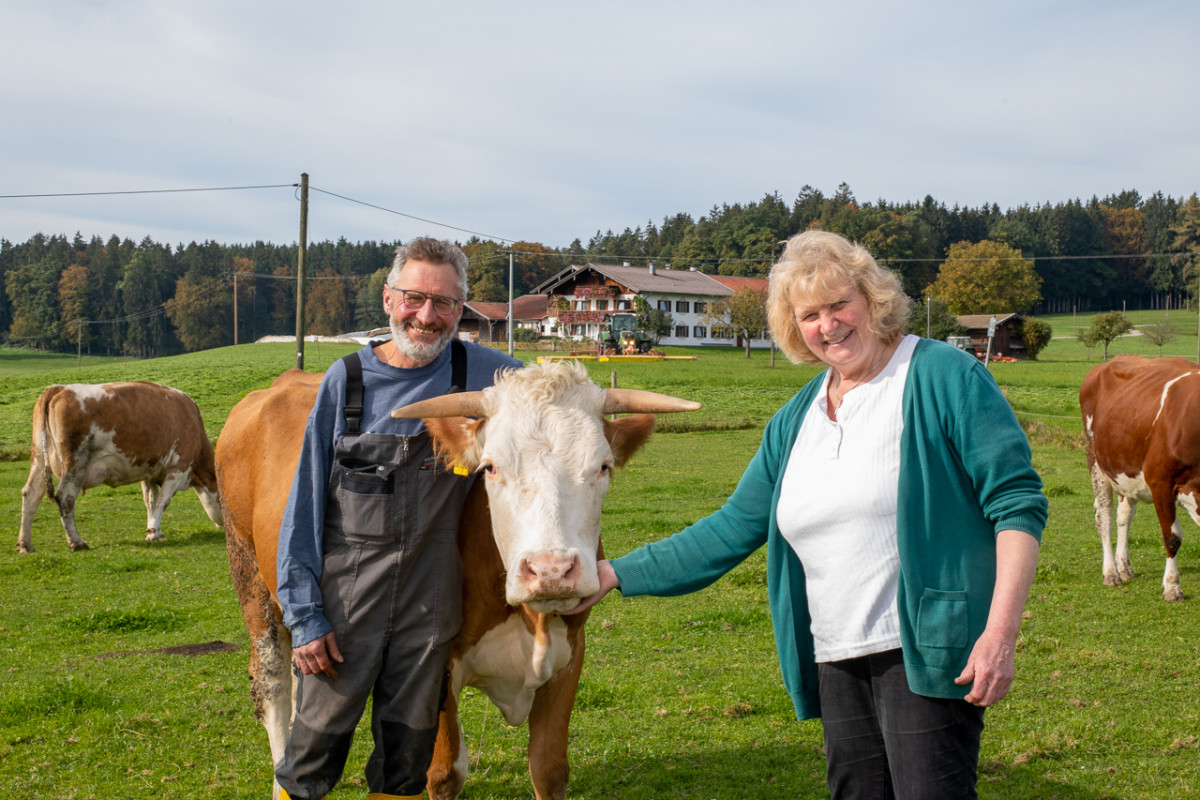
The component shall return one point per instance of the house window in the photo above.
(700, 307)
(681, 331)
(625, 304)
(698, 331)
(681, 306)
(664, 305)
(602, 305)
(722, 332)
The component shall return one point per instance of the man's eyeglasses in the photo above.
(416, 300)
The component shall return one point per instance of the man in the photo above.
(369, 573)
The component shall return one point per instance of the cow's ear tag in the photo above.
(461, 469)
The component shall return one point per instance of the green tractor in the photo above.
(621, 336)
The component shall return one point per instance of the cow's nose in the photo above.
(550, 575)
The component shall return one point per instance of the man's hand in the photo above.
(318, 656)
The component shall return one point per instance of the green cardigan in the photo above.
(965, 475)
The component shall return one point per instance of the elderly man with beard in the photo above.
(370, 579)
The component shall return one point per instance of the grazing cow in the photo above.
(529, 540)
(1143, 442)
(116, 434)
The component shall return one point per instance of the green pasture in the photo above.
(123, 668)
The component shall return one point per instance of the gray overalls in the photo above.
(392, 590)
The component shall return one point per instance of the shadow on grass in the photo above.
(197, 537)
(759, 772)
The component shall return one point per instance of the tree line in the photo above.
(148, 299)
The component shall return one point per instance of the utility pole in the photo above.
(235, 341)
(301, 251)
(510, 303)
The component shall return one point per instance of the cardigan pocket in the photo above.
(943, 629)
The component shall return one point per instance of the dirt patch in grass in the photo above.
(207, 648)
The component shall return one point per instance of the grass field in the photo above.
(680, 698)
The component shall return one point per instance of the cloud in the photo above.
(547, 122)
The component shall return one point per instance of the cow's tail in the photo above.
(43, 413)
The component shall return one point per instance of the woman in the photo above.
(902, 517)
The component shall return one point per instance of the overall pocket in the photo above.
(366, 497)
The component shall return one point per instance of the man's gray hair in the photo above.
(431, 251)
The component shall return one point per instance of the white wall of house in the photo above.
(688, 326)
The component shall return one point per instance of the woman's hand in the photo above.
(608, 582)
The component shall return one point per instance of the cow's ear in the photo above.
(626, 435)
(455, 440)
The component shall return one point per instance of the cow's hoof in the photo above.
(23, 549)
(153, 536)
(1112, 579)
(1126, 572)
(1172, 594)
(80, 545)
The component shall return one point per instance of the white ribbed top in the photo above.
(837, 509)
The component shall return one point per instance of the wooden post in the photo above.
(303, 248)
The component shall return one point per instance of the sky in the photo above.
(551, 121)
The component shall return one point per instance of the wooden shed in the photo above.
(1005, 343)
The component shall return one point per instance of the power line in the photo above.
(148, 191)
(411, 216)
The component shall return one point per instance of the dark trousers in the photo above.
(884, 741)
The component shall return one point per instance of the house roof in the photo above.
(738, 282)
(641, 280)
(975, 321)
(529, 306)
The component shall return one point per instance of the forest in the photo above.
(146, 299)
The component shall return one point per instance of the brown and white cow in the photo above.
(547, 454)
(116, 434)
(1143, 442)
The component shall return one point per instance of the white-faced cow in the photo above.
(529, 540)
(116, 434)
(1143, 442)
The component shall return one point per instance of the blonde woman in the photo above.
(902, 518)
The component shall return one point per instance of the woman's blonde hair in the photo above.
(815, 267)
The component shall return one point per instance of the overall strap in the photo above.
(353, 409)
(458, 366)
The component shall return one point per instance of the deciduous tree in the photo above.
(1035, 334)
(745, 311)
(933, 320)
(987, 278)
(1159, 334)
(1107, 327)
(73, 288)
(327, 305)
(201, 312)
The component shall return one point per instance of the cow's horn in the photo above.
(459, 404)
(630, 401)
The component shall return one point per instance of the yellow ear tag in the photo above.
(460, 469)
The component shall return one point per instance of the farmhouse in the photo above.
(582, 297)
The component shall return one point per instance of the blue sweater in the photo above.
(965, 475)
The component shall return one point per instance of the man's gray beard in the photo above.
(421, 354)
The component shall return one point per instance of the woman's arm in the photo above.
(991, 665)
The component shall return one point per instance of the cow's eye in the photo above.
(606, 468)
(488, 467)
